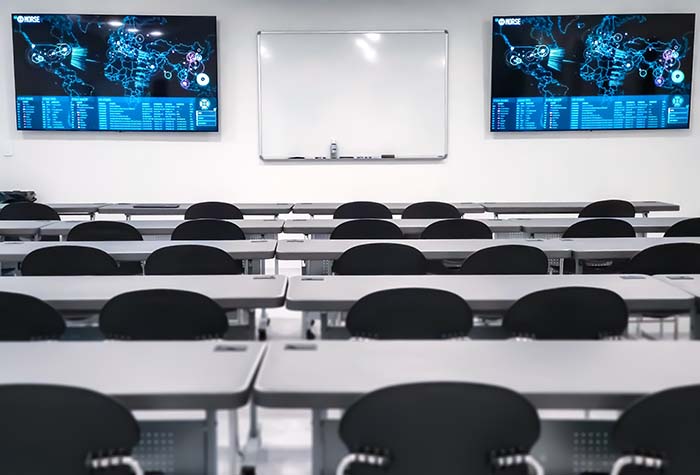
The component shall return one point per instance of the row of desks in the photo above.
(320, 227)
(217, 375)
(275, 209)
(320, 250)
(485, 294)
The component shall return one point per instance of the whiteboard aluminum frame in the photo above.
(353, 32)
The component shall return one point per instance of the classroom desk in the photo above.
(616, 248)
(690, 284)
(25, 229)
(268, 228)
(395, 208)
(410, 227)
(91, 293)
(145, 375)
(559, 225)
(130, 251)
(575, 207)
(178, 209)
(486, 294)
(314, 250)
(552, 375)
(77, 209)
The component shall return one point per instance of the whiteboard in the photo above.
(376, 94)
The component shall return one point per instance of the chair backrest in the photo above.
(600, 228)
(58, 429)
(381, 259)
(162, 314)
(439, 428)
(208, 230)
(26, 318)
(431, 210)
(27, 211)
(457, 229)
(663, 425)
(673, 258)
(362, 210)
(568, 313)
(410, 314)
(104, 231)
(686, 228)
(507, 260)
(69, 260)
(192, 259)
(213, 210)
(367, 229)
(608, 209)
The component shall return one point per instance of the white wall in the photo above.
(119, 167)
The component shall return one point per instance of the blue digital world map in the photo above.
(594, 57)
(129, 60)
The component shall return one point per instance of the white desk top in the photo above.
(166, 227)
(408, 226)
(330, 249)
(567, 207)
(688, 283)
(485, 294)
(21, 228)
(553, 375)
(617, 248)
(141, 375)
(76, 208)
(91, 293)
(129, 251)
(396, 208)
(178, 209)
(559, 225)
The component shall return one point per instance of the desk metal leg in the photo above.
(579, 266)
(253, 451)
(234, 441)
(561, 265)
(128, 217)
(92, 216)
(317, 443)
(212, 453)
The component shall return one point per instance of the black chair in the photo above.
(50, 429)
(686, 228)
(109, 231)
(381, 259)
(192, 259)
(600, 228)
(568, 313)
(431, 210)
(608, 209)
(674, 258)
(659, 433)
(439, 428)
(457, 229)
(362, 210)
(367, 229)
(213, 210)
(27, 211)
(410, 314)
(69, 260)
(208, 230)
(104, 231)
(162, 314)
(506, 260)
(26, 318)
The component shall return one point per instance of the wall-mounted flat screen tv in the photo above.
(592, 72)
(115, 72)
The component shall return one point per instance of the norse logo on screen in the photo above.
(508, 21)
(28, 19)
